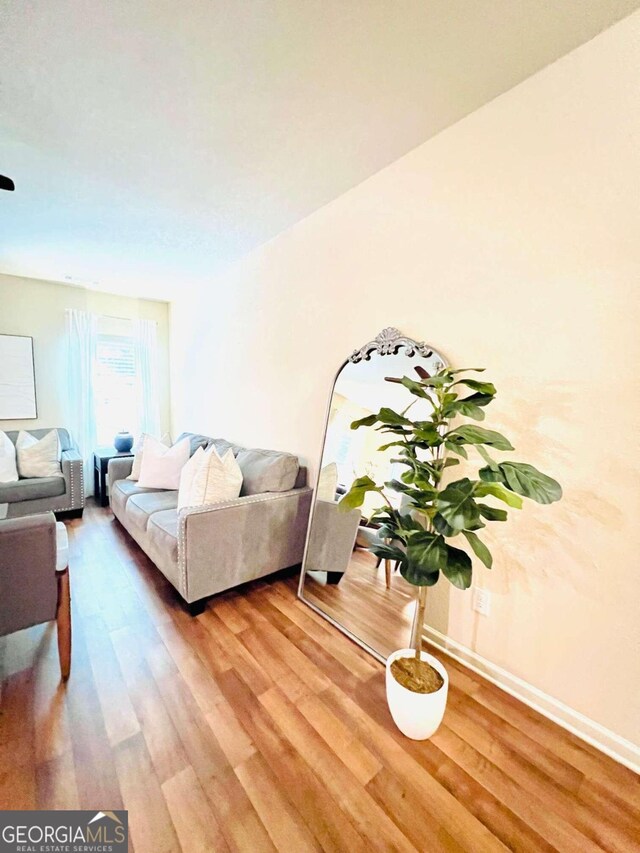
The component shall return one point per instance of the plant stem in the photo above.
(419, 623)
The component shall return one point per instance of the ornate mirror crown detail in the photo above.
(388, 342)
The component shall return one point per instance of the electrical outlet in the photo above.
(481, 600)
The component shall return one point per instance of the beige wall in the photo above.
(509, 241)
(36, 308)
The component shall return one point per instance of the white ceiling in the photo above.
(152, 141)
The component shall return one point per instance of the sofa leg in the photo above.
(195, 608)
(334, 577)
(69, 513)
(63, 618)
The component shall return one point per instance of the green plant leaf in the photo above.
(456, 505)
(428, 435)
(478, 399)
(479, 548)
(437, 381)
(416, 388)
(469, 434)
(462, 407)
(388, 552)
(491, 513)
(448, 463)
(354, 498)
(491, 474)
(388, 416)
(456, 448)
(387, 531)
(458, 569)
(491, 463)
(369, 420)
(416, 576)
(497, 490)
(528, 481)
(426, 551)
(470, 410)
(442, 526)
(481, 387)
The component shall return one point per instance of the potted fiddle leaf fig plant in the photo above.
(418, 530)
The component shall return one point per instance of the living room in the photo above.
(212, 304)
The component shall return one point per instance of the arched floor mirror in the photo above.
(341, 580)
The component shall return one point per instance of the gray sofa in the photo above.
(64, 493)
(207, 549)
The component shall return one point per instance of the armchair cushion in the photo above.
(32, 488)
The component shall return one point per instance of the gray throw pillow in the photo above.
(267, 471)
(195, 441)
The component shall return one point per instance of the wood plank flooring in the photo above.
(361, 602)
(258, 727)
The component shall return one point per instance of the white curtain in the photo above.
(145, 335)
(82, 337)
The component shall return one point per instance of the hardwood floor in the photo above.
(361, 602)
(257, 726)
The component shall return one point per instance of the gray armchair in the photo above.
(34, 578)
(63, 493)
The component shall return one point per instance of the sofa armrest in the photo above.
(73, 473)
(28, 586)
(224, 544)
(119, 469)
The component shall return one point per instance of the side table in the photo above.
(101, 457)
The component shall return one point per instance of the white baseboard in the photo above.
(618, 748)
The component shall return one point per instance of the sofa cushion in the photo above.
(32, 489)
(195, 441)
(267, 471)
(121, 492)
(222, 445)
(140, 508)
(163, 533)
(161, 465)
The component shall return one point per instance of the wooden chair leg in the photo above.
(63, 619)
(387, 573)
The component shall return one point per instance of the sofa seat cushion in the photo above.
(163, 533)
(31, 489)
(121, 492)
(267, 471)
(140, 508)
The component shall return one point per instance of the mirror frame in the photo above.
(388, 342)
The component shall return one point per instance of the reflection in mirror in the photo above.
(364, 596)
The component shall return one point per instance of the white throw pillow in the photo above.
(38, 457)
(162, 465)
(186, 477)
(138, 451)
(8, 469)
(214, 479)
(328, 483)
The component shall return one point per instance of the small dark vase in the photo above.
(123, 442)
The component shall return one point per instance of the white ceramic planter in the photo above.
(417, 715)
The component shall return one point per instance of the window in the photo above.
(115, 379)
